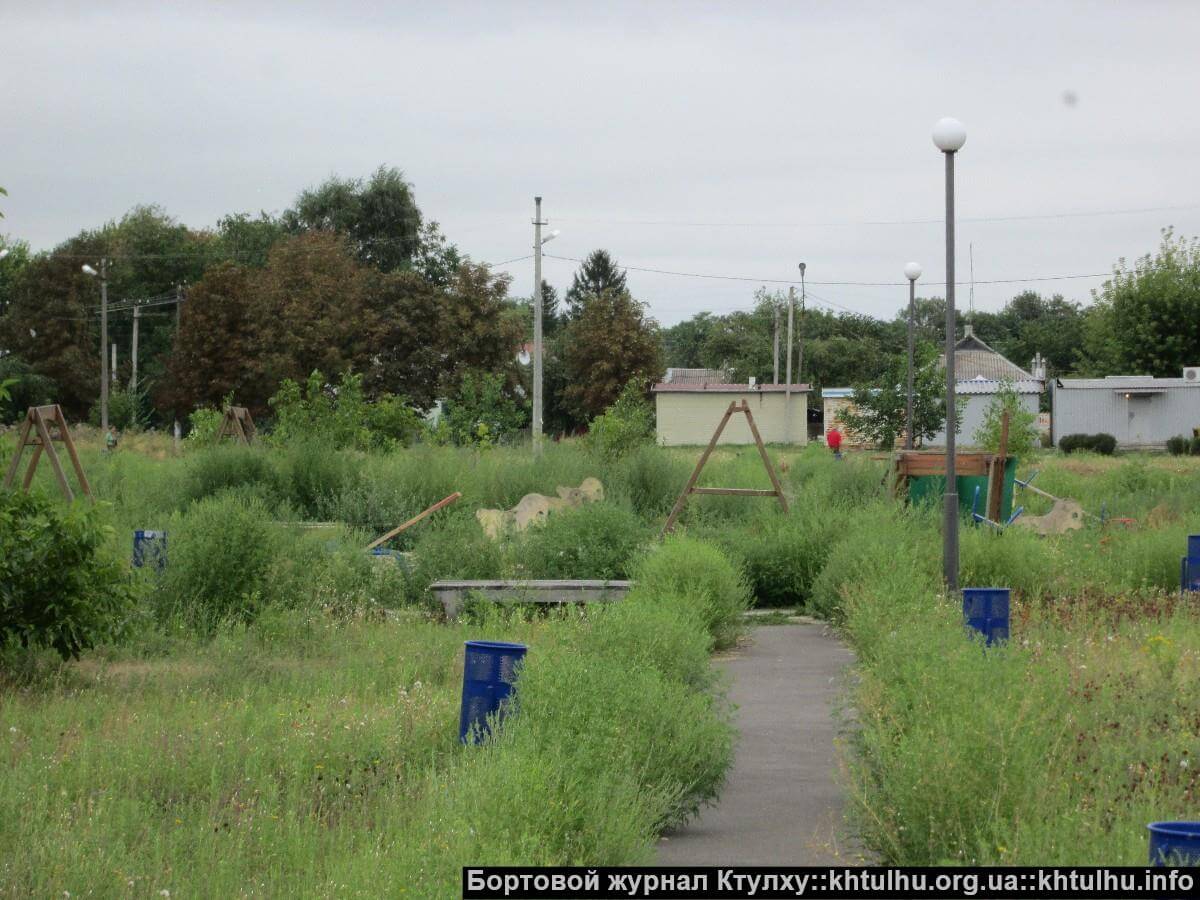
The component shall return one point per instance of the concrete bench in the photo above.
(451, 594)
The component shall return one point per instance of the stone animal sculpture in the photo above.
(537, 507)
(1066, 515)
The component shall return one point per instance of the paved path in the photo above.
(781, 805)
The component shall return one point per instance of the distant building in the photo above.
(835, 401)
(696, 376)
(979, 374)
(689, 413)
(1138, 410)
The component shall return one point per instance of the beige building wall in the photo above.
(691, 418)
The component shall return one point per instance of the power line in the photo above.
(792, 281)
(884, 222)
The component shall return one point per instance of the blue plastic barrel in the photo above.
(1174, 843)
(489, 671)
(1189, 574)
(1194, 546)
(986, 610)
(150, 547)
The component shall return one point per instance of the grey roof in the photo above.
(696, 376)
(975, 359)
(991, 386)
(1125, 383)
(665, 388)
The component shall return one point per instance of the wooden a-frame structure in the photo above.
(238, 425)
(36, 432)
(690, 488)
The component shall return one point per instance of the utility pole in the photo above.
(787, 387)
(137, 316)
(776, 368)
(537, 324)
(800, 335)
(104, 345)
(912, 272)
(178, 307)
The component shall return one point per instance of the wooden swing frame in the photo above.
(237, 424)
(36, 433)
(690, 488)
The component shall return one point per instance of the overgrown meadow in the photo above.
(276, 712)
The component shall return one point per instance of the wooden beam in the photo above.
(19, 451)
(445, 501)
(762, 451)
(996, 472)
(40, 423)
(691, 482)
(739, 492)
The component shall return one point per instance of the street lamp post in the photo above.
(949, 135)
(912, 272)
(103, 273)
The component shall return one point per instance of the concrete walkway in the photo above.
(781, 805)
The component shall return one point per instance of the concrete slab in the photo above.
(782, 805)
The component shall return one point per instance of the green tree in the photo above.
(1147, 316)
(248, 241)
(11, 266)
(378, 214)
(610, 342)
(483, 412)
(685, 343)
(220, 349)
(1022, 423)
(428, 337)
(878, 409)
(598, 274)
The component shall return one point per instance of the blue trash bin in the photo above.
(985, 610)
(1189, 574)
(1174, 843)
(150, 548)
(1194, 546)
(489, 671)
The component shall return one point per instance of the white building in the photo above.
(688, 413)
(1138, 410)
(979, 374)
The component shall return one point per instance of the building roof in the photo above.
(979, 385)
(665, 388)
(839, 393)
(696, 376)
(975, 359)
(1124, 383)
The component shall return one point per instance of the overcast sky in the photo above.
(714, 138)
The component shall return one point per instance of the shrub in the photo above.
(625, 426)
(1195, 445)
(315, 474)
(650, 478)
(220, 557)
(204, 423)
(59, 588)
(1022, 430)
(1180, 445)
(1104, 444)
(597, 540)
(227, 466)
(700, 577)
(782, 554)
(482, 413)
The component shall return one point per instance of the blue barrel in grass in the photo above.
(985, 610)
(489, 672)
(1174, 843)
(150, 548)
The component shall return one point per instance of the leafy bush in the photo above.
(650, 478)
(1022, 423)
(221, 552)
(701, 578)
(391, 422)
(597, 540)
(1195, 446)
(203, 425)
(482, 413)
(219, 468)
(1104, 444)
(58, 586)
(314, 475)
(782, 553)
(1180, 445)
(625, 426)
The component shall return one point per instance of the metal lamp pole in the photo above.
(949, 135)
(103, 273)
(912, 272)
